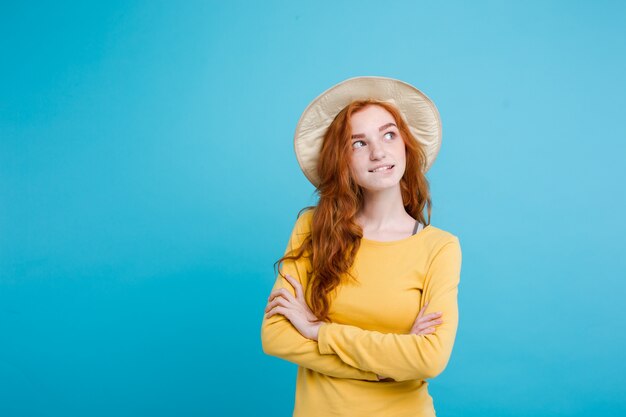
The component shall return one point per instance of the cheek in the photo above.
(402, 158)
(354, 168)
(402, 152)
(356, 161)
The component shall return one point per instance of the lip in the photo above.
(386, 170)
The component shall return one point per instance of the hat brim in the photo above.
(418, 111)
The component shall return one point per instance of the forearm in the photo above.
(279, 338)
(398, 356)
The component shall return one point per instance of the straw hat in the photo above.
(418, 111)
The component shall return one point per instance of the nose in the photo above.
(376, 151)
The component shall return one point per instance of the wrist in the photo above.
(315, 330)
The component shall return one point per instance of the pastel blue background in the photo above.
(148, 183)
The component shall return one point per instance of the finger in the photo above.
(421, 312)
(296, 286)
(424, 324)
(276, 293)
(430, 323)
(424, 320)
(431, 316)
(284, 295)
(282, 292)
(278, 301)
(423, 309)
(277, 310)
(428, 330)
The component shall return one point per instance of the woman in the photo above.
(366, 300)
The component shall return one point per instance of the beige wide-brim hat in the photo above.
(418, 111)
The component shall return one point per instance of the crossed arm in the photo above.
(346, 351)
(405, 356)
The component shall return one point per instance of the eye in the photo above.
(354, 144)
(390, 135)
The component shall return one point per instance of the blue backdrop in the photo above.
(148, 182)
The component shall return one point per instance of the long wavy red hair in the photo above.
(335, 236)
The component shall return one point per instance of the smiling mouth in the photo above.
(383, 169)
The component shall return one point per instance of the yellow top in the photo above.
(369, 329)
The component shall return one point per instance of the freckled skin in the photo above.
(376, 148)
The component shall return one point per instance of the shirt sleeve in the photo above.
(279, 337)
(406, 356)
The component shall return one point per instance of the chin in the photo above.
(380, 187)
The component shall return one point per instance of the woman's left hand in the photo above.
(295, 309)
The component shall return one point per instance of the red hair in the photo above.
(335, 236)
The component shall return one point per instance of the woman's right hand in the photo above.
(425, 324)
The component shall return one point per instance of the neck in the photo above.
(382, 210)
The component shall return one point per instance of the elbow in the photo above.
(427, 367)
(269, 348)
(434, 370)
(266, 343)
(269, 342)
(434, 360)
(435, 367)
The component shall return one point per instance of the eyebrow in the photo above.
(380, 129)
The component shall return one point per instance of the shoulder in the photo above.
(444, 253)
(303, 223)
(438, 238)
(441, 235)
(304, 219)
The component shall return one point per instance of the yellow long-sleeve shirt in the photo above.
(369, 325)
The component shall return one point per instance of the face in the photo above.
(376, 142)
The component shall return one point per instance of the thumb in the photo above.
(423, 310)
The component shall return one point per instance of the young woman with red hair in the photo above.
(366, 299)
